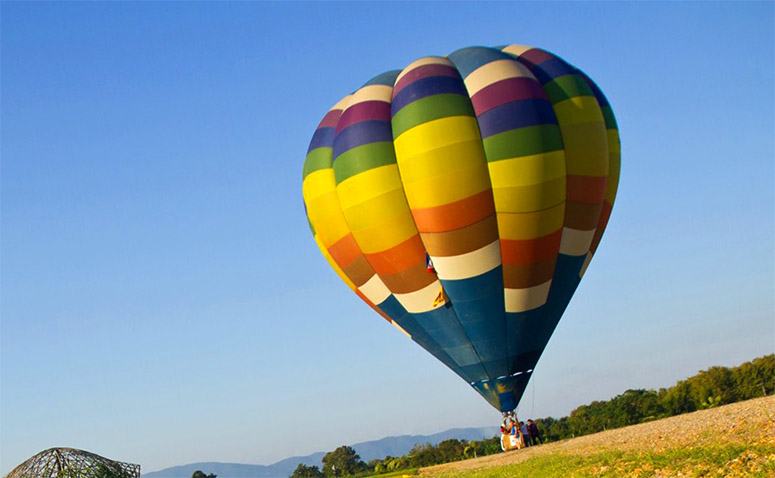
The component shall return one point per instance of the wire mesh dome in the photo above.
(72, 463)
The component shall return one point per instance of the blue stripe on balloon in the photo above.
(551, 69)
(516, 114)
(483, 285)
(322, 138)
(362, 133)
(433, 85)
(388, 78)
(467, 60)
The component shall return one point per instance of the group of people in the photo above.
(525, 434)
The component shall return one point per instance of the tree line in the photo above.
(708, 388)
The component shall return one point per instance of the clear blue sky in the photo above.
(163, 301)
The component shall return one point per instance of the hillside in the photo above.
(394, 445)
(736, 440)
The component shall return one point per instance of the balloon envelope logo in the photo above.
(462, 198)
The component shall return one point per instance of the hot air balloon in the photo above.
(462, 198)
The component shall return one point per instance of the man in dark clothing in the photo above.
(535, 434)
(525, 433)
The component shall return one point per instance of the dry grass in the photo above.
(729, 441)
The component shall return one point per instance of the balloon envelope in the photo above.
(463, 198)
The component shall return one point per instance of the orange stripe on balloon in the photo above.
(455, 215)
(528, 251)
(586, 189)
(345, 250)
(398, 258)
(531, 275)
(409, 280)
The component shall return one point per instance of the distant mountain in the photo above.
(368, 450)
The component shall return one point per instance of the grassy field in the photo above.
(736, 440)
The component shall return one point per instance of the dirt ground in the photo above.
(749, 422)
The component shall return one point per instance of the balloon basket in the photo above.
(510, 442)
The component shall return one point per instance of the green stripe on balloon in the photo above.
(430, 108)
(523, 142)
(318, 158)
(610, 119)
(565, 87)
(362, 158)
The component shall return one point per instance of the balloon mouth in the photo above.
(504, 392)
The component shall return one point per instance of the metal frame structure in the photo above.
(73, 463)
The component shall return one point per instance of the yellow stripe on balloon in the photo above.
(527, 170)
(584, 135)
(453, 157)
(448, 187)
(368, 184)
(437, 134)
(326, 216)
(391, 231)
(323, 207)
(375, 208)
(390, 204)
(317, 184)
(530, 225)
(534, 197)
(586, 149)
(579, 109)
(444, 161)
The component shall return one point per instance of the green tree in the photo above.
(714, 386)
(755, 378)
(342, 462)
(304, 471)
(397, 463)
(678, 399)
(470, 450)
(422, 455)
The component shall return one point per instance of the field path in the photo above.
(749, 422)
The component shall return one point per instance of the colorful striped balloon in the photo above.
(498, 166)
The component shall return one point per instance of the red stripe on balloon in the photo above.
(528, 251)
(330, 119)
(586, 189)
(505, 91)
(424, 71)
(368, 110)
